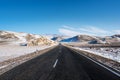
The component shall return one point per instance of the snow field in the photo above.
(110, 53)
(12, 51)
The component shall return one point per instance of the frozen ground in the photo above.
(12, 51)
(110, 53)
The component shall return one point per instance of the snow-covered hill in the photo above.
(21, 38)
(15, 44)
(83, 38)
(93, 39)
(113, 39)
(60, 38)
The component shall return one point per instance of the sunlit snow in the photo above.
(110, 53)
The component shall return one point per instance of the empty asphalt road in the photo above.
(61, 63)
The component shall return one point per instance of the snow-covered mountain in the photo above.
(112, 39)
(50, 36)
(23, 38)
(83, 38)
(116, 35)
(93, 39)
(48, 39)
(60, 38)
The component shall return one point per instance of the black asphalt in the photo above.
(60, 63)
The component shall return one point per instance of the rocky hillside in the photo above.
(7, 36)
(21, 38)
(40, 41)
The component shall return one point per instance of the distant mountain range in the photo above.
(93, 39)
(89, 39)
(49, 39)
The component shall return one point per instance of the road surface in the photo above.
(60, 63)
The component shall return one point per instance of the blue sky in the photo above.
(70, 17)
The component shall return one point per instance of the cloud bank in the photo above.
(88, 30)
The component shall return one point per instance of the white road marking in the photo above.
(101, 65)
(55, 63)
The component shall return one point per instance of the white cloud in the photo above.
(68, 32)
(117, 31)
(92, 29)
(68, 27)
(87, 30)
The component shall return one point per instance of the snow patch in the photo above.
(3, 66)
(12, 51)
(110, 53)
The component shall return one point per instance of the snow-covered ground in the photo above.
(12, 51)
(3, 66)
(110, 53)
